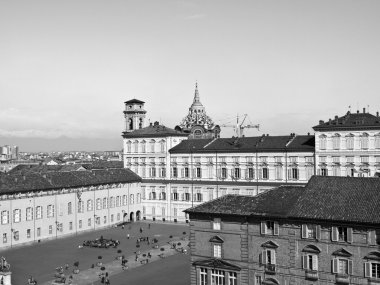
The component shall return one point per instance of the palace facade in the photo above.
(38, 203)
(327, 232)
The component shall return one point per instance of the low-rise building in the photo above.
(44, 204)
(327, 232)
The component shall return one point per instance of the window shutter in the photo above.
(263, 227)
(218, 173)
(172, 196)
(182, 196)
(349, 235)
(276, 229)
(194, 197)
(192, 172)
(264, 256)
(201, 197)
(350, 266)
(335, 265)
(303, 231)
(171, 172)
(232, 173)
(273, 256)
(182, 172)
(334, 233)
(318, 232)
(315, 262)
(318, 171)
(367, 269)
(261, 258)
(304, 261)
(289, 174)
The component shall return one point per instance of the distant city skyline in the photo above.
(67, 67)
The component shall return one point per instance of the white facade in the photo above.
(33, 216)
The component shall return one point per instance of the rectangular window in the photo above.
(29, 213)
(237, 173)
(50, 229)
(223, 173)
(217, 250)
(342, 234)
(71, 226)
(203, 276)
(89, 222)
(4, 217)
(216, 224)
(258, 280)
(323, 171)
(50, 211)
(16, 235)
(5, 238)
(251, 173)
(265, 173)
(186, 169)
(112, 218)
(311, 231)
(310, 262)
(199, 172)
(28, 233)
(343, 266)
(38, 232)
(217, 277)
(232, 278)
(270, 228)
(104, 219)
(80, 224)
(16, 215)
(175, 172)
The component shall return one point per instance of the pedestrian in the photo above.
(127, 236)
(122, 227)
(103, 279)
(107, 281)
(141, 230)
(148, 226)
(66, 266)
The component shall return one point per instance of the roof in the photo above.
(354, 199)
(154, 131)
(270, 203)
(40, 181)
(324, 198)
(132, 101)
(292, 143)
(350, 121)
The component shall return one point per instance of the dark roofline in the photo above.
(134, 101)
(158, 135)
(221, 183)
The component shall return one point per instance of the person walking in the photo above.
(127, 236)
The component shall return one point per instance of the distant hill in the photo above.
(63, 144)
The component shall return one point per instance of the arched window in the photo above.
(131, 199)
(364, 141)
(336, 141)
(162, 146)
(105, 206)
(350, 141)
(136, 146)
(125, 200)
(163, 196)
(117, 201)
(377, 140)
(138, 198)
(197, 134)
(143, 146)
(322, 142)
(112, 202)
(152, 146)
(129, 146)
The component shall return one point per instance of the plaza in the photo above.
(41, 260)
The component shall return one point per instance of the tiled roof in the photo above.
(355, 199)
(340, 199)
(153, 131)
(248, 144)
(270, 203)
(134, 101)
(350, 121)
(40, 181)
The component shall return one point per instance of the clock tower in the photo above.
(134, 115)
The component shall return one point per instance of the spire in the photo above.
(196, 95)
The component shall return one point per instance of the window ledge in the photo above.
(311, 274)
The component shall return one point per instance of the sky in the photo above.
(67, 67)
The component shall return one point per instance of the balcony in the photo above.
(270, 268)
(311, 275)
(342, 279)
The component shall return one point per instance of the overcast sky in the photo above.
(66, 67)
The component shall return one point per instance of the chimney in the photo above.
(150, 124)
(308, 134)
(363, 110)
(357, 112)
(377, 114)
(321, 122)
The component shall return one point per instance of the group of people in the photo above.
(32, 281)
(104, 278)
(102, 243)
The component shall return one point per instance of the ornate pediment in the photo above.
(311, 249)
(217, 263)
(269, 244)
(216, 239)
(342, 252)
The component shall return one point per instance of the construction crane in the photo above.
(239, 127)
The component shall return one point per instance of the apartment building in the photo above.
(327, 232)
